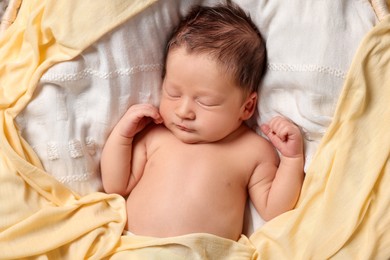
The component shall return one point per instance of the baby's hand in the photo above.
(136, 118)
(285, 136)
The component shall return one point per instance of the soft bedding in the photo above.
(65, 110)
(90, 93)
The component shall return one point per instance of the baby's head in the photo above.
(214, 63)
(228, 35)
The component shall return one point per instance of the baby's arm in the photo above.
(116, 164)
(281, 190)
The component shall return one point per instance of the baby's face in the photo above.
(199, 104)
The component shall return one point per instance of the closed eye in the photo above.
(208, 102)
(172, 93)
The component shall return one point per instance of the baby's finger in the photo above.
(153, 112)
(272, 136)
(265, 129)
(147, 110)
(276, 123)
(282, 127)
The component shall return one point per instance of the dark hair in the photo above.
(227, 34)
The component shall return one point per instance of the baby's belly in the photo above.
(165, 209)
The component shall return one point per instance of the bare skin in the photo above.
(192, 170)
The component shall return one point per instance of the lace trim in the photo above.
(74, 178)
(306, 68)
(88, 72)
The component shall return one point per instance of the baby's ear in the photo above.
(249, 106)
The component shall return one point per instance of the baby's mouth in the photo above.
(183, 128)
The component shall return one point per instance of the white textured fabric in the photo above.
(310, 46)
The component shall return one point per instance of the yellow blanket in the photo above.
(343, 211)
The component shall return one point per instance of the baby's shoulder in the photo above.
(259, 146)
(252, 137)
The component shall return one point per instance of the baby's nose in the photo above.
(185, 109)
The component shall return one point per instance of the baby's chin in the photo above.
(193, 138)
(189, 140)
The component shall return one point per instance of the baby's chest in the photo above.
(202, 164)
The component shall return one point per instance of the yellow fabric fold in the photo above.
(192, 246)
(342, 213)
